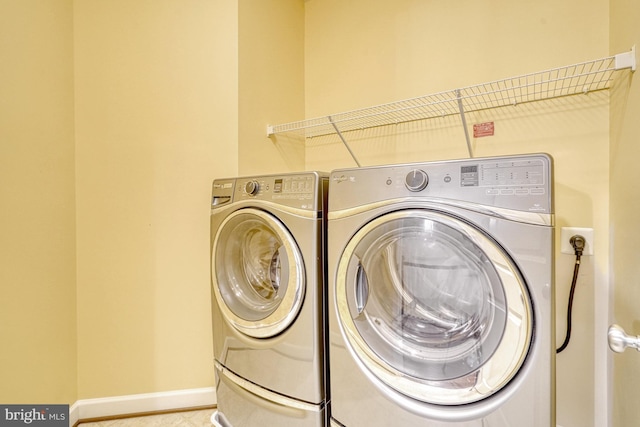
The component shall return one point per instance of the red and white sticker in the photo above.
(483, 129)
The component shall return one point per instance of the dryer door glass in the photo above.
(427, 299)
(259, 273)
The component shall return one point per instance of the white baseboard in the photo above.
(139, 403)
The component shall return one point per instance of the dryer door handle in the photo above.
(362, 288)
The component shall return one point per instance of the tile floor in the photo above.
(201, 418)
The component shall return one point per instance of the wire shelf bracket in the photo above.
(569, 80)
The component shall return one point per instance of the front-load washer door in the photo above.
(259, 273)
(433, 307)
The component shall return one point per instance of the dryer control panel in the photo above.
(522, 183)
(509, 174)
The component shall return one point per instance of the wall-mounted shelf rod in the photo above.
(344, 141)
(573, 79)
(464, 124)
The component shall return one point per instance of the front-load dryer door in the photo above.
(433, 307)
(259, 273)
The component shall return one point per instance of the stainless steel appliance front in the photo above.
(441, 285)
(269, 299)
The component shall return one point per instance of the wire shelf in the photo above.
(574, 79)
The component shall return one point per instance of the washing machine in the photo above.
(269, 300)
(441, 294)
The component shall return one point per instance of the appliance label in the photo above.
(483, 129)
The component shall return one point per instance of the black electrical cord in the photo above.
(578, 243)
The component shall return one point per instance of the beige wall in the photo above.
(362, 53)
(271, 83)
(625, 204)
(151, 133)
(119, 221)
(37, 203)
(169, 96)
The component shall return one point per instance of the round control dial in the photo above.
(416, 180)
(252, 187)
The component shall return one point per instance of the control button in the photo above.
(252, 187)
(416, 180)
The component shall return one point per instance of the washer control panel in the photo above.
(277, 188)
(296, 190)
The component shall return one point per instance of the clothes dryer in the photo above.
(441, 294)
(269, 300)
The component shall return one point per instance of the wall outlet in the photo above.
(568, 232)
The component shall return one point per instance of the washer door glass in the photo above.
(258, 271)
(433, 307)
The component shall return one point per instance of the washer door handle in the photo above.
(275, 270)
(362, 288)
(619, 340)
